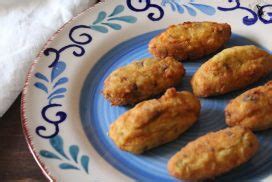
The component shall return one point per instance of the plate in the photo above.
(66, 119)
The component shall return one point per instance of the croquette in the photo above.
(142, 80)
(214, 154)
(155, 122)
(252, 109)
(232, 69)
(190, 40)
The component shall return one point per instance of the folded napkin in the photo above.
(25, 26)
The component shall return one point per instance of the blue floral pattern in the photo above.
(147, 5)
(180, 6)
(54, 88)
(103, 22)
(66, 162)
(253, 16)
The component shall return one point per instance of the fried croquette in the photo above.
(252, 109)
(190, 40)
(141, 80)
(214, 154)
(155, 122)
(232, 69)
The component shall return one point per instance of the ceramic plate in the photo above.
(66, 119)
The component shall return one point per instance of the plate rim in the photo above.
(24, 119)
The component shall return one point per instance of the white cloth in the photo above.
(25, 26)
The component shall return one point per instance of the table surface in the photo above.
(16, 162)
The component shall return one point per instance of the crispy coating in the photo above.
(231, 69)
(214, 154)
(142, 80)
(252, 109)
(190, 40)
(155, 122)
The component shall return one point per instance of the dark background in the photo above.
(16, 161)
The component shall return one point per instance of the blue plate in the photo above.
(62, 94)
(97, 114)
